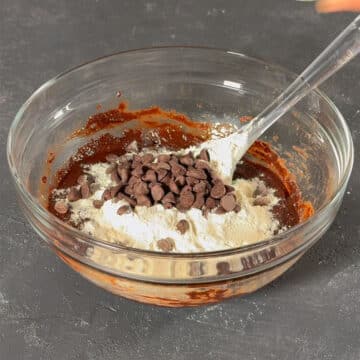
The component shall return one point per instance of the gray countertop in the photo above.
(49, 312)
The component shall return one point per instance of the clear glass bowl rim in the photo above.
(52, 219)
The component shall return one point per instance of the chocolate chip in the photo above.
(74, 194)
(136, 162)
(124, 164)
(199, 201)
(123, 173)
(208, 188)
(200, 187)
(164, 158)
(128, 199)
(186, 199)
(129, 190)
(94, 187)
(132, 147)
(114, 190)
(186, 160)
(176, 168)
(174, 158)
(229, 188)
(115, 177)
(162, 165)
(85, 178)
(138, 171)
(143, 200)
(168, 205)
(85, 190)
(191, 181)
(125, 209)
(185, 189)
(169, 198)
(220, 210)
(149, 176)
(111, 158)
(261, 190)
(228, 202)
(180, 180)
(61, 207)
(210, 203)
(161, 174)
(106, 195)
(141, 188)
(201, 164)
(166, 244)
(147, 158)
(166, 180)
(173, 187)
(237, 208)
(261, 201)
(204, 155)
(152, 166)
(98, 204)
(182, 226)
(197, 174)
(133, 180)
(157, 192)
(218, 190)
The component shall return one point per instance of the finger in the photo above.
(337, 5)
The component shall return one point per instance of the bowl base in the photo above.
(179, 295)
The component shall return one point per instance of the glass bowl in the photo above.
(207, 85)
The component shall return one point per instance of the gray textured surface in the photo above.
(49, 312)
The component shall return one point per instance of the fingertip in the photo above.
(326, 6)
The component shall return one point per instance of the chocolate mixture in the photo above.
(183, 182)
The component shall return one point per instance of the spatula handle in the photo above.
(345, 47)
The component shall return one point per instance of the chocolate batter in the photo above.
(174, 131)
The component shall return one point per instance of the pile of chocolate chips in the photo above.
(183, 182)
